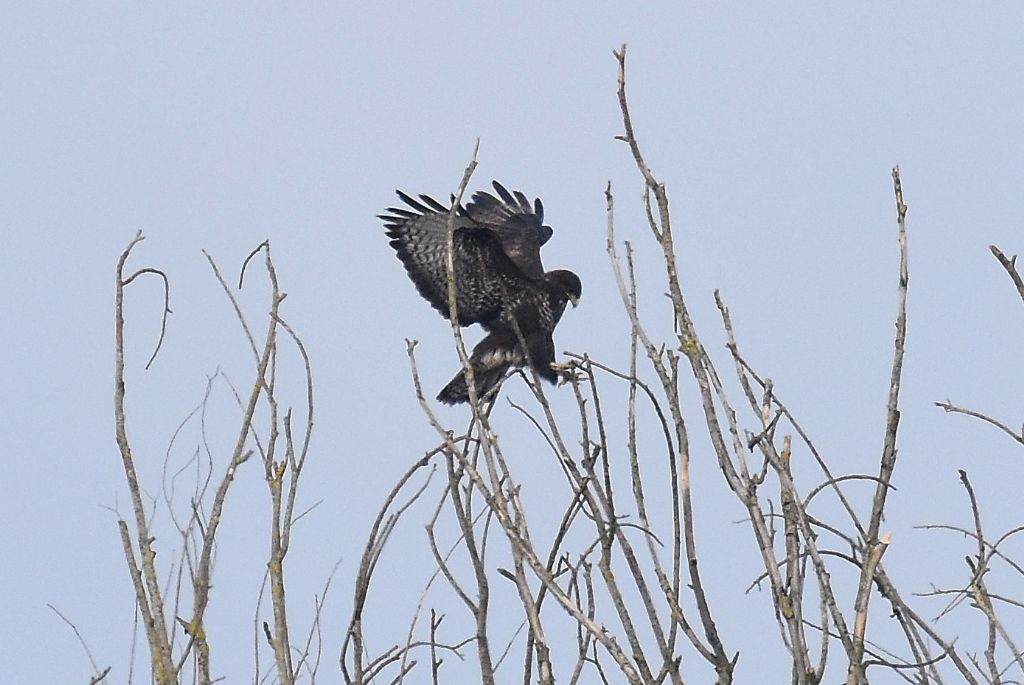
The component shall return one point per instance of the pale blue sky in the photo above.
(214, 128)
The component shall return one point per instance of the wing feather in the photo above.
(500, 280)
(517, 224)
(434, 204)
(498, 270)
(483, 273)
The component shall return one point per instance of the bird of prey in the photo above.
(500, 281)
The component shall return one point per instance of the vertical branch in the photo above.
(792, 600)
(873, 546)
(888, 462)
(860, 606)
(979, 591)
(461, 508)
(276, 473)
(453, 293)
(148, 595)
(463, 514)
(435, 663)
(661, 227)
(297, 459)
(281, 474)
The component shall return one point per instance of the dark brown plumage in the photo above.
(499, 277)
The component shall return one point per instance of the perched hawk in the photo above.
(500, 281)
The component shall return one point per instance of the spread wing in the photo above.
(484, 274)
(518, 225)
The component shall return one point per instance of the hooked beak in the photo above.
(575, 301)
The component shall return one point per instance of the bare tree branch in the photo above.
(1010, 264)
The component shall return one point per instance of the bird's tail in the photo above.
(486, 382)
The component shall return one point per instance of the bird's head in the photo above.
(568, 283)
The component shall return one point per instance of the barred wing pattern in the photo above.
(518, 225)
(419, 236)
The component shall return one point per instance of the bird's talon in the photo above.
(565, 371)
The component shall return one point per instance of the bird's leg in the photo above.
(566, 370)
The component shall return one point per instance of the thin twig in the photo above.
(1010, 264)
